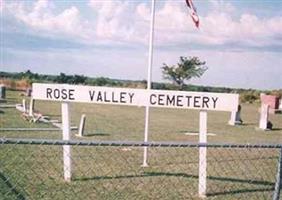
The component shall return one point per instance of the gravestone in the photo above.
(81, 126)
(24, 106)
(264, 124)
(236, 117)
(280, 104)
(28, 92)
(272, 101)
(2, 92)
(31, 107)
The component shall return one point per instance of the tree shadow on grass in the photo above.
(5, 182)
(276, 129)
(269, 186)
(247, 124)
(53, 115)
(96, 134)
(240, 191)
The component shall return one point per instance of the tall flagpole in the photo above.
(149, 79)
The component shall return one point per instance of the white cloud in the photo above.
(2, 4)
(119, 21)
(248, 30)
(42, 18)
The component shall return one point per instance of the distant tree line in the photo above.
(246, 95)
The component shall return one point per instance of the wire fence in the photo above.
(33, 169)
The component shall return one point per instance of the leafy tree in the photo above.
(79, 79)
(185, 69)
(62, 78)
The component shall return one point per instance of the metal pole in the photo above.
(278, 184)
(149, 79)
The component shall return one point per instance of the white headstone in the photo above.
(235, 118)
(24, 105)
(232, 118)
(280, 104)
(264, 112)
(81, 125)
(31, 107)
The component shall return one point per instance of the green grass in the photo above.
(105, 122)
(35, 172)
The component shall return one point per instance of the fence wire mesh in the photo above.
(34, 170)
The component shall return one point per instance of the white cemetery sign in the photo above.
(136, 97)
(202, 101)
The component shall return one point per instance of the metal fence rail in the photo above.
(33, 169)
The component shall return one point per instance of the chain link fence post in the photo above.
(278, 183)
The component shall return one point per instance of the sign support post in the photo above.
(203, 154)
(149, 79)
(66, 136)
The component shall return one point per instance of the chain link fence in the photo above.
(33, 169)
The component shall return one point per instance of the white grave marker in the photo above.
(264, 112)
(24, 106)
(81, 125)
(31, 107)
(235, 117)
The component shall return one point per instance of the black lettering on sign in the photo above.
(71, 94)
(151, 99)
(113, 98)
(122, 97)
(105, 97)
(214, 101)
(64, 94)
(188, 100)
(205, 102)
(56, 93)
(197, 102)
(161, 99)
(91, 94)
(179, 100)
(100, 98)
(49, 93)
(131, 95)
(170, 100)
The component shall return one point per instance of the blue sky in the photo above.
(241, 40)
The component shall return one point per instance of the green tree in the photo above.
(186, 69)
